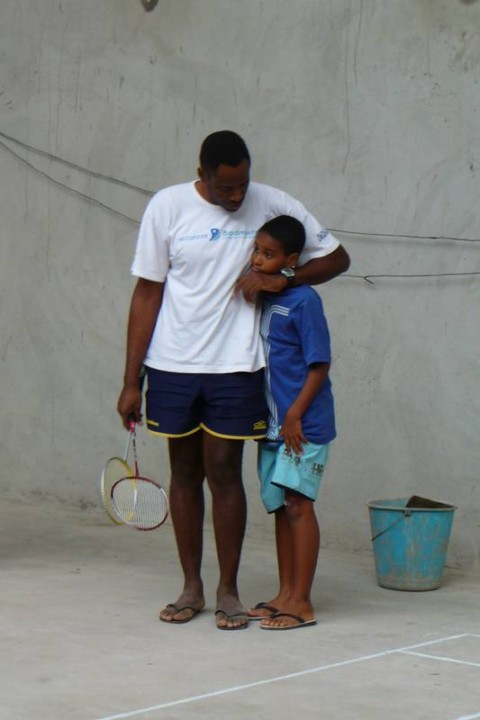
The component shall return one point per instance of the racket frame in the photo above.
(105, 493)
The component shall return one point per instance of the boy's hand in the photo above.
(292, 433)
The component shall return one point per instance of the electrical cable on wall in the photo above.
(88, 198)
(405, 236)
(68, 163)
(368, 278)
(108, 178)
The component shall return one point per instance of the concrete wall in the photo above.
(366, 110)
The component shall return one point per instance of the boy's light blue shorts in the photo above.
(278, 471)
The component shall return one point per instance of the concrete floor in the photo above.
(81, 639)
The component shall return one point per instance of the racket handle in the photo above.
(127, 447)
(131, 420)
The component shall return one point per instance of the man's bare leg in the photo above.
(223, 465)
(187, 510)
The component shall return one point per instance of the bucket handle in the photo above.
(406, 513)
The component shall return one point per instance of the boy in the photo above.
(294, 454)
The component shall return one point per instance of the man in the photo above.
(196, 329)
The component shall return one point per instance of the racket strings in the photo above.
(140, 502)
(115, 469)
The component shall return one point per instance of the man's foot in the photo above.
(183, 610)
(233, 621)
(230, 614)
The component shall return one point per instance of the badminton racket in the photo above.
(138, 501)
(115, 469)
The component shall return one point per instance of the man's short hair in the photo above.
(287, 231)
(224, 147)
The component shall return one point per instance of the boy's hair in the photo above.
(224, 147)
(287, 231)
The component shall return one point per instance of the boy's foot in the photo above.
(262, 611)
(293, 614)
(286, 621)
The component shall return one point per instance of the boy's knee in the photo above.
(296, 504)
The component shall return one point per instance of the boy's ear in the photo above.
(292, 260)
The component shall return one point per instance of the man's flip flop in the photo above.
(225, 616)
(176, 611)
(300, 622)
(263, 606)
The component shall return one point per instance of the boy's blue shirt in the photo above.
(295, 335)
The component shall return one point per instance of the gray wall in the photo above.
(366, 111)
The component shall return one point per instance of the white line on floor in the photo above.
(469, 717)
(439, 657)
(301, 673)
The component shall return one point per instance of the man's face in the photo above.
(226, 186)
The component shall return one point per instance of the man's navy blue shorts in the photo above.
(228, 405)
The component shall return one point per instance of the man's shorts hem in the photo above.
(231, 437)
(151, 429)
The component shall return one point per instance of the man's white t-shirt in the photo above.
(199, 250)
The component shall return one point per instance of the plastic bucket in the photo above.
(410, 541)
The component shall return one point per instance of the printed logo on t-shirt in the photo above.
(216, 234)
(198, 236)
(323, 234)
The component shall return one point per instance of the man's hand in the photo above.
(254, 282)
(130, 405)
(144, 308)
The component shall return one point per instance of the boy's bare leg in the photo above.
(305, 536)
(187, 511)
(285, 561)
(223, 464)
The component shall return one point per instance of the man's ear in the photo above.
(292, 260)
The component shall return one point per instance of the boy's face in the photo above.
(269, 257)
